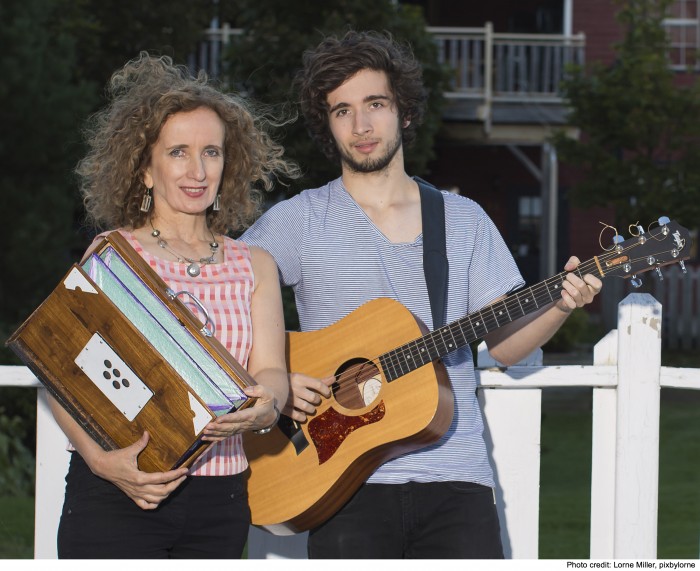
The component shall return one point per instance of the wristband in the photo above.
(274, 422)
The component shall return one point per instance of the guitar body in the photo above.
(300, 475)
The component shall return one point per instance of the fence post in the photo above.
(52, 460)
(602, 531)
(515, 457)
(637, 430)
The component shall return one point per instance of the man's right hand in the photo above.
(306, 395)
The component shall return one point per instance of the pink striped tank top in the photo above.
(225, 290)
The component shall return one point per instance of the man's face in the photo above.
(364, 121)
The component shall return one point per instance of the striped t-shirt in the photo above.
(336, 259)
(225, 290)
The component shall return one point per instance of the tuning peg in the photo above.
(663, 222)
(635, 281)
(658, 273)
(682, 263)
(617, 240)
(640, 229)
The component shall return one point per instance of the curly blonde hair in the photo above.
(142, 96)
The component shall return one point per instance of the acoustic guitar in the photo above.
(391, 393)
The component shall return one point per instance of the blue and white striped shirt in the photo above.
(336, 259)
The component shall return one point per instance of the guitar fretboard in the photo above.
(665, 244)
(460, 333)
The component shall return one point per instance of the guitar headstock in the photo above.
(666, 242)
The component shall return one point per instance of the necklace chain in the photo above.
(195, 266)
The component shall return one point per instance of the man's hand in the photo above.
(306, 395)
(577, 292)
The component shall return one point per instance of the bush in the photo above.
(578, 331)
(16, 460)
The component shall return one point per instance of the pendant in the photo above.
(193, 270)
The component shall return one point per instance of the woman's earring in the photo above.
(146, 202)
(217, 203)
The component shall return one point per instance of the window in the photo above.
(683, 30)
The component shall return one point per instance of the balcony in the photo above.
(507, 85)
(504, 88)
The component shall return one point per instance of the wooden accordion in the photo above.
(122, 353)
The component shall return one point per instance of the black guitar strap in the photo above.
(435, 265)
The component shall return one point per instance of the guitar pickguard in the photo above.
(330, 429)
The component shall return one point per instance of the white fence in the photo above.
(626, 378)
(678, 293)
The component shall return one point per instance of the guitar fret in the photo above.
(479, 326)
(388, 370)
(500, 313)
(402, 361)
(424, 352)
(435, 350)
(457, 335)
(528, 301)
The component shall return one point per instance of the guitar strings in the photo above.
(512, 304)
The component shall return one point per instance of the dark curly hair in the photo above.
(143, 95)
(335, 60)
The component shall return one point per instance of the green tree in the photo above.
(638, 150)
(57, 57)
(41, 102)
(108, 33)
(262, 63)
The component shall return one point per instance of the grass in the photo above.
(566, 474)
(16, 528)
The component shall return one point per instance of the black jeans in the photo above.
(207, 517)
(437, 520)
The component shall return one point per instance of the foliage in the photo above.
(577, 331)
(41, 101)
(16, 460)
(262, 62)
(639, 148)
(108, 33)
(57, 56)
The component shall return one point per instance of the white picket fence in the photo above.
(679, 294)
(626, 378)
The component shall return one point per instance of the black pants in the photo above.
(437, 520)
(207, 517)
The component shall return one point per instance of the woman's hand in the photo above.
(120, 467)
(262, 414)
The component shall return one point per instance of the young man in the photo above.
(359, 238)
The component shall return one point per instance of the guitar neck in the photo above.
(462, 332)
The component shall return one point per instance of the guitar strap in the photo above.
(435, 265)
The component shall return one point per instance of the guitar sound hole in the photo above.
(358, 383)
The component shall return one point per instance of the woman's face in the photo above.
(187, 162)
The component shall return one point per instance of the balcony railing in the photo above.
(488, 68)
(485, 63)
(507, 67)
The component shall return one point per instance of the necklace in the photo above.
(194, 266)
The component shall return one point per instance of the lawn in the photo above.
(16, 528)
(566, 474)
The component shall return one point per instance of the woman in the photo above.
(172, 165)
